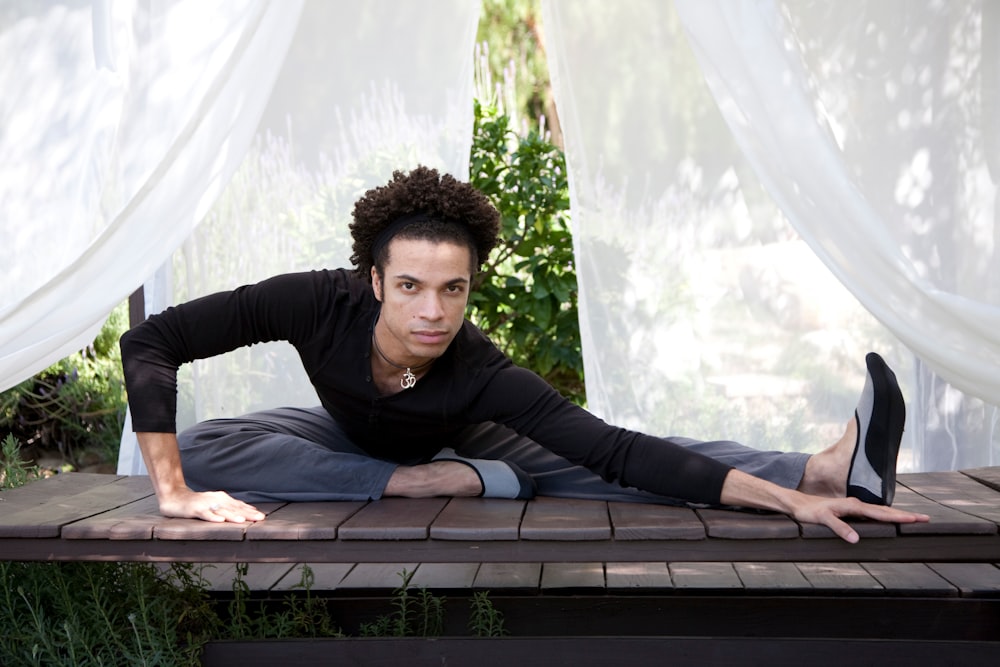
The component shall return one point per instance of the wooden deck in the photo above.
(79, 516)
(586, 581)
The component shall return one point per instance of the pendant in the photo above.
(408, 380)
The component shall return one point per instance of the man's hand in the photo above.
(830, 512)
(744, 490)
(215, 506)
(162, 457)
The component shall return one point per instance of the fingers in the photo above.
(883, 513)
(220, 507)
(842, 529)
(830, 511)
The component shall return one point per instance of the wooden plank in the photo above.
(264, 576)
(382, 576)
(771, 577)
(589, 651)
(304, 521)
(51, 489)
(909, 579)
(259, 576)
(46, 520)
(566, 519)
(478, 519)
(393, 519)
(974, 548)
(439, 576)
(326, 577)
(578, 577)
(217, 577)
(705, 576)
(971, 579)
(508, 576)
(844, 578)
(865, 529)
(958, 491)
(135, 521)
(647, 576)
(196, 530)
(924, 548)
(742, 525)
(988, 476)
(642, 521)
(944, 520)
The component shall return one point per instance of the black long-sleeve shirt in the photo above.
(328, 316)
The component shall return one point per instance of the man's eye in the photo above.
(408, 286)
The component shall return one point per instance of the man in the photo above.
(416, 402)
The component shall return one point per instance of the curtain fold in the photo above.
(723, 150)
(124, 123)
(764, 90)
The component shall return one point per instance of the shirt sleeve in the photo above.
(524, 402)
(281, 308)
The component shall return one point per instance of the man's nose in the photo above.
(431, 307)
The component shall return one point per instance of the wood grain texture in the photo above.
(910, 579)
(566, 519)
(393, 519)
(771, 577)
(646, 576)
(957, 491)
(509, 576)
(68, 502)
(739, 525)
(705, 576)
(304, 521)
(640, 521)
(479, 519)
(843, 577)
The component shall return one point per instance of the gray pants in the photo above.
(297, 454)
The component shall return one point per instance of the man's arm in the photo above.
(745, 490)
(163, 460)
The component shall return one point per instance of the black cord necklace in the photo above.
(409, 379)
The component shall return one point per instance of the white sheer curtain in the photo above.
(861, 133)
(119, 124)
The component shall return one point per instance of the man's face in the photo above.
(423, 295)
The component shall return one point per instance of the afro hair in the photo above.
(468, 215)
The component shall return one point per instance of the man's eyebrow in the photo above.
(412, 279)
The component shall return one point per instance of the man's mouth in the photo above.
(430, 337)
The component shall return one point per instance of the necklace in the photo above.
(409, 379)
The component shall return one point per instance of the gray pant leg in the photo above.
(555, 476)
(288, 454)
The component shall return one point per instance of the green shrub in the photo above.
(76, 407)
(100, 614)
(14, 470)
(527, 299)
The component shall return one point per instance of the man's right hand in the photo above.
(162, 457)
(216, 506)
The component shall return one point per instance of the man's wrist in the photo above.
(744, 490)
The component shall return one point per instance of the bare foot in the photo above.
(826, 472)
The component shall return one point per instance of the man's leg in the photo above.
(555, 476)
(297, 454)
(288, 454)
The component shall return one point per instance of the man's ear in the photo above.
(376, 285)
